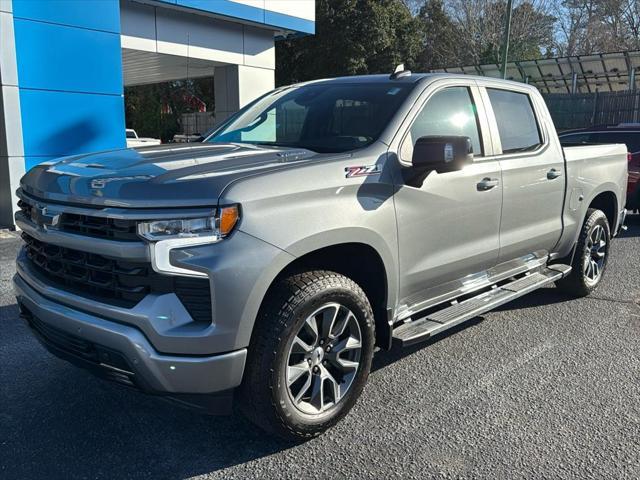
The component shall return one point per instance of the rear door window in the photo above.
(517, 124)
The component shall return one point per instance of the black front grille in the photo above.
(111, 228)
(124, 283)
(112, 281)
(89, 225)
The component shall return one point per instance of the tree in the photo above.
(532, 30)
(482, 24)
(441, 37)
(352, 37)
(631, 18)
(597, 26)
(579, 27)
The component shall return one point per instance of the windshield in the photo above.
(319, 117)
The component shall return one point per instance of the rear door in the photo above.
(533, 183)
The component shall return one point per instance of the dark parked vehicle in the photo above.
(626, 133)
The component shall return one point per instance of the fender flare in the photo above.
(314, 243)
(608, 187)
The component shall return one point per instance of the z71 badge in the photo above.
(361, 170)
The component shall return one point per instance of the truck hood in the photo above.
(158, 176)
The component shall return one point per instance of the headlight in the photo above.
(167, 235)
(214, 228)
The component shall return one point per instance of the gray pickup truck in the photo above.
(263, 266)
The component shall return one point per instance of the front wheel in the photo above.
(591, 256)
(310, 355)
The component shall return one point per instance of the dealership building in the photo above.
(64, 65)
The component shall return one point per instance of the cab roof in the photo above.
(411, 78)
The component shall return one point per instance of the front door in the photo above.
(448, 227)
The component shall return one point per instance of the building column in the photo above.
(12, 165)
(237, 85)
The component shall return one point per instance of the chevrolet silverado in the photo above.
(262, 267)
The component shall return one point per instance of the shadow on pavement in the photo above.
(538, 298)
(58, 421)
(384, 359)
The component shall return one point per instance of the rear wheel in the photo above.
(310, 355)
(591, 256)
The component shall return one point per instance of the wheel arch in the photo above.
(357, 260)
(605, 199)
(607, 202)
(362, 264)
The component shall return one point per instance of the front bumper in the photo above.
(122, 353)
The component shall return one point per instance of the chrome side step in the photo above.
(435, 322)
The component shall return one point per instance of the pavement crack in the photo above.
(611, 299)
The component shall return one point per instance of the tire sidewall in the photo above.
(596, 218)
(282, 400)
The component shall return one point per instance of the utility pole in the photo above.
(505, 39)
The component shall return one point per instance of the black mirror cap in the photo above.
(442, 153)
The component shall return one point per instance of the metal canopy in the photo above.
(604, 72)
(140, 67)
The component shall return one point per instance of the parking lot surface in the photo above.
(544, 387)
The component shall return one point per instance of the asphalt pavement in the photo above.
(546, 387)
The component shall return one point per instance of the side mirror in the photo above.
(446, 153)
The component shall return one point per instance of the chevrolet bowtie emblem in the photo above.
(42, 218)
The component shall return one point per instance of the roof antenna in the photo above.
(400, 72)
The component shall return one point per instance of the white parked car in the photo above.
(133, 140)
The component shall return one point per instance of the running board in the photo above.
(423, 328)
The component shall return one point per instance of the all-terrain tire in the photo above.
(264, 396)
(578, 283)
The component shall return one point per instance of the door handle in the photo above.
(487, 184)
(553, 174)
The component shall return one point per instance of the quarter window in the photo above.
(450, 111)
(516, 120)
